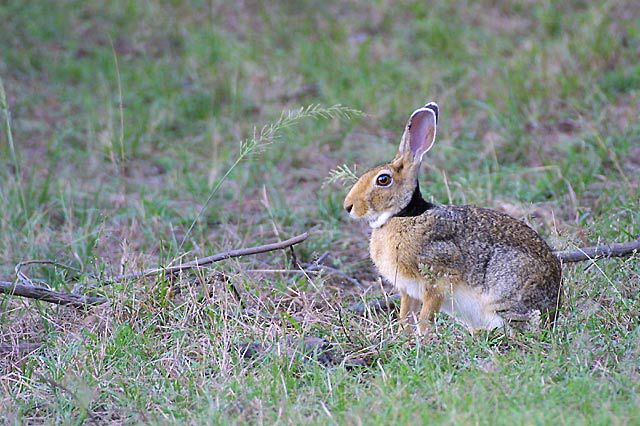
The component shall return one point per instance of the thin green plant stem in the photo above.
(267, 136)
(213, 192)
(4, 105)
(120, 102)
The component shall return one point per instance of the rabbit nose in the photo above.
(348, 208)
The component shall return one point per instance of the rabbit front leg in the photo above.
(408, 310)
(431, 303)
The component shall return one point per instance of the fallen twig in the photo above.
(207, 260)
(29, 282)
(20, 265)
(598, 252)
(47, 295)
(27, 289)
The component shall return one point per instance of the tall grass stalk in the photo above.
(268, 135)
(120, 104)
(4, 106)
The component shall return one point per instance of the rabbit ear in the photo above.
(420, 132)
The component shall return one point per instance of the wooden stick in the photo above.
(52, 296)
(208, 260)
(597, 252)
(78, 300)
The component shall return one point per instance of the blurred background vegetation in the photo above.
(125, 115)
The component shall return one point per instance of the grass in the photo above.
(126, 116)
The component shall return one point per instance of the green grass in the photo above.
(125, 117)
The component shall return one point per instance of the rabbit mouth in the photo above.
(375, 220)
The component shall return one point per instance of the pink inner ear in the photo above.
(421, 131)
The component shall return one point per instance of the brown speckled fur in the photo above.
(485, 263)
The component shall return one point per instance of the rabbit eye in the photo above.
(383, 180)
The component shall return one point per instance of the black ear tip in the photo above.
(433, 107)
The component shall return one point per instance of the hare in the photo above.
(483, 267)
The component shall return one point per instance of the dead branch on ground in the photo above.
(47, 295)
(29, 290)
(207, 260)
(599, 252)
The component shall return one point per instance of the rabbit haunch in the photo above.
(482, 267)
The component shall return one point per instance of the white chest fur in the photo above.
(411, 286)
